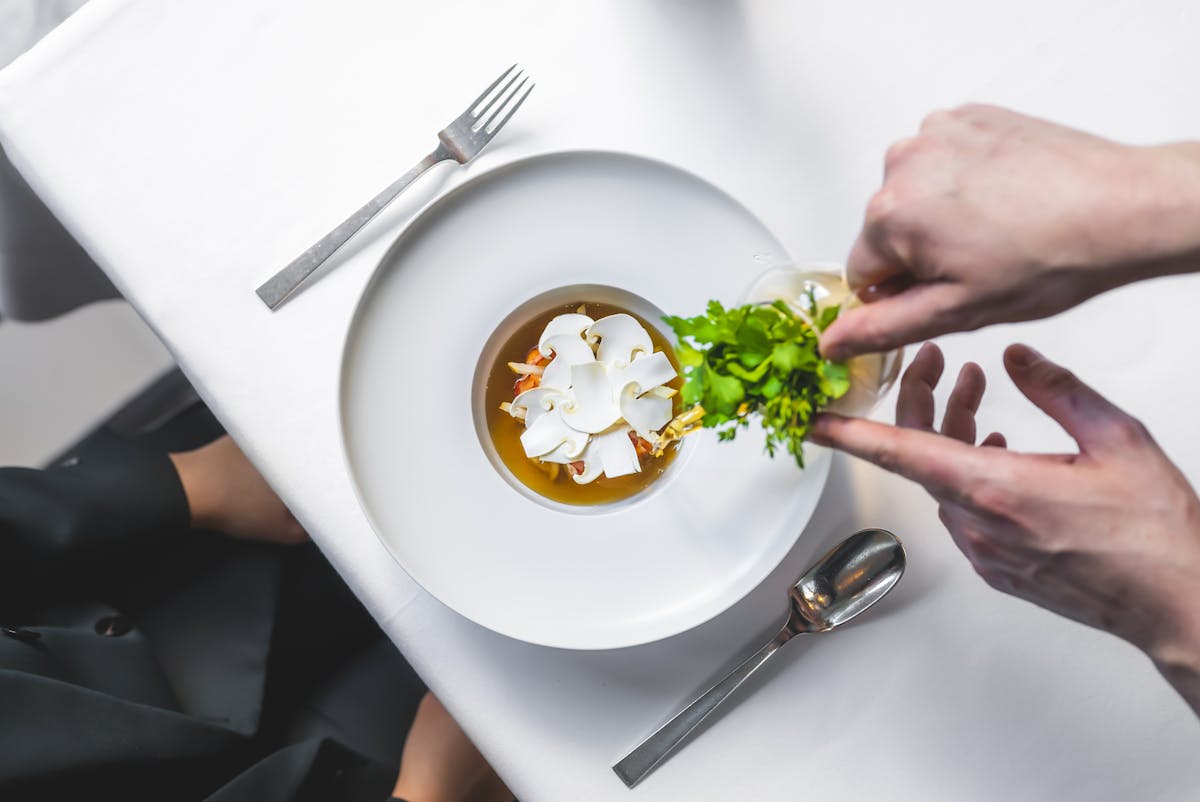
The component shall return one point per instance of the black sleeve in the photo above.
(316, 770)
(115, 494)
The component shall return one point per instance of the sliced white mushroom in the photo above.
(569, 350)
(621, 338)
(647, 371)
(646, 414)
(508, 409)
(549, 432)
(592, 468)
(663, 391)
(594, 404)
(573, 325)
(562, 455)
(616, 453)
(532, 404)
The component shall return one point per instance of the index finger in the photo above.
(946, 467)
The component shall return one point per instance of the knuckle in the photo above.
(1060, 381)
(990, 494)
(888, 451)
(1129, 430)
(900, 151)
(937, 119)
(981, 114)
(881, 207)
(885, 456)
(912, 378)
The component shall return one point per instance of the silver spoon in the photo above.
(854, 575)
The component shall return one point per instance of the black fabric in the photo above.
(333, 707)
(208, 611)
(69, 529)
(310, 771)
(143, 661)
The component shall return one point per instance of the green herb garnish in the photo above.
(758, 359)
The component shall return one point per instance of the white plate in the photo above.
(723, 517)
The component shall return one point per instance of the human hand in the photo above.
(988, 216)
(226, 494)
(1108, 536)
(440, 764)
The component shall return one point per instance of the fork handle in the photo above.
(277, 288)
(649, 753)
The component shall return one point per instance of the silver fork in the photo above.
(461, 141)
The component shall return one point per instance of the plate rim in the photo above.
(821, 461)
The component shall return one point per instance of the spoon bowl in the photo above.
(851, 577)
(855, 574)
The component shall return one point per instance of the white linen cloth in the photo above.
(196, 146)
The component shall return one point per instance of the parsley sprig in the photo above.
(758, 359)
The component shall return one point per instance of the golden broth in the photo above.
(506, 431)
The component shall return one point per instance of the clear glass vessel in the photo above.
(871, 375)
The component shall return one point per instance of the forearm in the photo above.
(1149, 225)
(117, 493)
(1171, 631)
(202, 487)
(225, 493)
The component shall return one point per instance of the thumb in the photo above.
(1090, 418)
(920, 312)
(867, 266)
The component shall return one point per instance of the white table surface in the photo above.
(197, 145)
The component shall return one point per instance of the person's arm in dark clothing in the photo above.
(116, 495)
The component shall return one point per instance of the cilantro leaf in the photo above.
(758, 360)
(787, 356)
(724, 392)
(827, 316)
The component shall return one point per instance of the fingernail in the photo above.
(1023, 356)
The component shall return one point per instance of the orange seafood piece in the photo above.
(640, 445)
(526, 383)
(535, 357)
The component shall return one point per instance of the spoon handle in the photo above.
(649, 753)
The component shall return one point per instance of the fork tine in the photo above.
(500, 101)
(475, 110)
(493, 125)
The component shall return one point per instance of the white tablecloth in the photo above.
(195, 146)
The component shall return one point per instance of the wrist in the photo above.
(1148, 224)
(1174, 644)
(199, 487)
